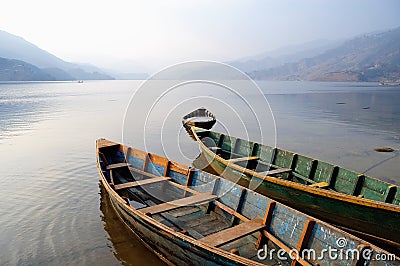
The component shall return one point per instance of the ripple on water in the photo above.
(56, 202)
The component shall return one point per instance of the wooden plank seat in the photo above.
(182, 225)
(233, 233)
(141, 182)
(250, 158)
(171, 205)
(117, 165)
(276, 171)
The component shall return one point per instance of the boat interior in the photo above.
(283, 164)
(209, 208)
(191, 212)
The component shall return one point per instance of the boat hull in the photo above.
(170, 249)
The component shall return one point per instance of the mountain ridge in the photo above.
(17, 70)
(14, 47)
(283, 55)
(368, 57)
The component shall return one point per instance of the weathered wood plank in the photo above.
(182, 225)
(249, 158)
(303, 177)
(304, 238)
(166, 169)
(281, 245)
(283, 158)
(103, 158)
(230, 211)
(323, 172)
(189, 180)
(111, 177)
(390, 193)
(305, 166)
(179, 168)
(233, 233)
(276, 171)
(184, 212)
(117, 165)
(141, 182)
(212, 227)
(267, 221)
(171, 205)
(136, 153)
(239, 206)
(374, 189)
(143, 172)
(146, 162)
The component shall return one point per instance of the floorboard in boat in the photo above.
(184, 211)
(211, 227)
(178, 203)
(206, 218)
(245, 245)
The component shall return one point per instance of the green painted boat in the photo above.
(361, 204)
(190, 217)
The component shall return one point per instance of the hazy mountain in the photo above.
(59, 74)
(17, 70)
(15, 47)
(283, 55)
(128, 75)
(370, 57)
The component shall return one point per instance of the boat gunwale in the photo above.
(288, 183)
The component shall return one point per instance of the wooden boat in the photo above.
(363, 205)
(200, 118)
(389, 83)
(190, 217)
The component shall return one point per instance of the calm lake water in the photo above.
(52, 209)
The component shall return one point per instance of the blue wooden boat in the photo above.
(361, 204)
(190, 217)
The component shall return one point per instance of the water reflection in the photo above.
(124, 245)
(20, 108)
(373, 109)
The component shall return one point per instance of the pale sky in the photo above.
(158, 33)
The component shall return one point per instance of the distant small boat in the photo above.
(190, 217)
(199, 118)
(80, 81)
(389, 83)
(357, 202)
